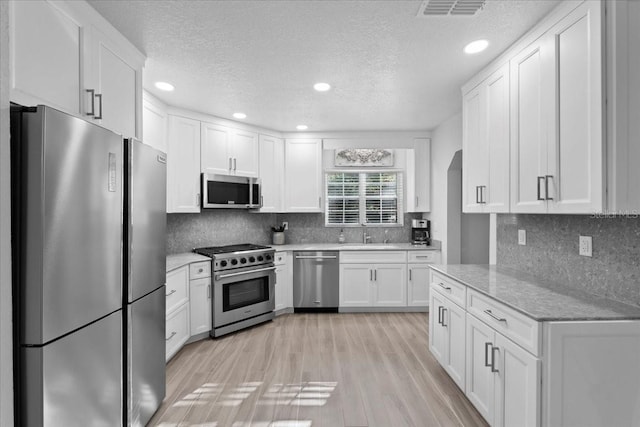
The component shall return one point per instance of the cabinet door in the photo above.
(418, 285)
(496, 196)
(480, 380)
(438, 335)
(271, 173)
(200, 306)
(183, 161)
(475, 153)
(177, 290)
(356, 282)
(530, 85)
(154, 123)
(575, 154)
(177, 330)
(281, 289)
(419, 176)
(303, 175)
(390, 285)
(518, 385)
(455, 362)
(245, 153)
(216, 158)
(117, 77)
(47, 42)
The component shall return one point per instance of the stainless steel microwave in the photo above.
(230, 191)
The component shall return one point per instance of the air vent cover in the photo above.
(450, 7)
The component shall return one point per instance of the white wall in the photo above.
(6, 364)
(446, 139)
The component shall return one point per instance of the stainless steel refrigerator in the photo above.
(68, 211)
(145, 252)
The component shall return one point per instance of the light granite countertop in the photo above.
(356, 247)
(539, 299)
(178, 260)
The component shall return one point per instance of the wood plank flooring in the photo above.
(301, 370)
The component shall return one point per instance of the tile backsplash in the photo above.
(215, 227)
(551, 251)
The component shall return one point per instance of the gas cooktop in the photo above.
(211, 251)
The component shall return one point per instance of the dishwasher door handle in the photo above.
(316, 257)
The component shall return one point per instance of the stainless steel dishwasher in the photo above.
(316, 276)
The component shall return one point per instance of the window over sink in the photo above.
(363, 198)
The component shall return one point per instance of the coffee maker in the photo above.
(420, 232)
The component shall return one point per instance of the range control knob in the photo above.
(223, 263)
(260, 258)
(252, 259)
(267, 257)
(234, 261)
(243, 260)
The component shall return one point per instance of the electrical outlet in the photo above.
(586, 246)
(286, 225)
(522, 237)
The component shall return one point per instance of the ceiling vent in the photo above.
(450, 7)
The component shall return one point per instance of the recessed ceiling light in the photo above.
(476, 46)
(302, 127)
(322, 87)
(240, 115)
(167, 87)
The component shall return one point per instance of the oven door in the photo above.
(242, 294)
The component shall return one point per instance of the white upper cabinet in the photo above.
(67, 56)
(485, 149)
(183, 164)
(303, 175)
(154, 121)
(419, 176)
(272, 173)
(229, 151)
(557, 139)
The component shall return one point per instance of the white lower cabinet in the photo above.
(447, 336)
(177, 331)
(200, 305)
(373, 285)
(503, 380)
(418, 285)
(284, 282)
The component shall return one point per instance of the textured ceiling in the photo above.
(390, 70)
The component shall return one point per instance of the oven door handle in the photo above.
(316, 257)
(223, 276)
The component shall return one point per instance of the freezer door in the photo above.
(147, 217)
(145, 353)
(76, 380)
(71, 232)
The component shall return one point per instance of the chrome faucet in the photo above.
(365, 237)
(386, 237)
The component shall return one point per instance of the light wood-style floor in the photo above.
(301, 370)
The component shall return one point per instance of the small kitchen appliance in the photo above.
(420, 232)
(243, 286)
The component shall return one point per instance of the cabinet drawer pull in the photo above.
(477, 197)
(487, 346)
(440, 315)
(234, 164)
(99, 96)
(494, 317)
(446, 288)
(540, 178)
(200, 270)
(409, 274)
(171, 336)
(444, 311)
(173, 291)
(546, 187)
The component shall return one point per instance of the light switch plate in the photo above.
(286, 225)
(586, 246)
(522, 237)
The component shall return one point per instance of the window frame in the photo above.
(362, 198)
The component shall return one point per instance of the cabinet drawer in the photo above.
(430, 257)
(453, 290)
(373, 257)
(280, 258)
(198, 270)
(177, 332)
(516, 326)
(177, 288)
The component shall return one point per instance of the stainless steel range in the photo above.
(243, 286)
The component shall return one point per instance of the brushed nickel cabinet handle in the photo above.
(230, 164)
(99, 96)
(546, 187)
(409, 274)
(493, 359)
(444, 310)
(197, 199)
(477, 197)
(234, 164)
(494, 317)
(173, 291)
(446, 288)
(171, 336)
(487, 345)
(208, 291)
(92, 93)
(540, 178)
